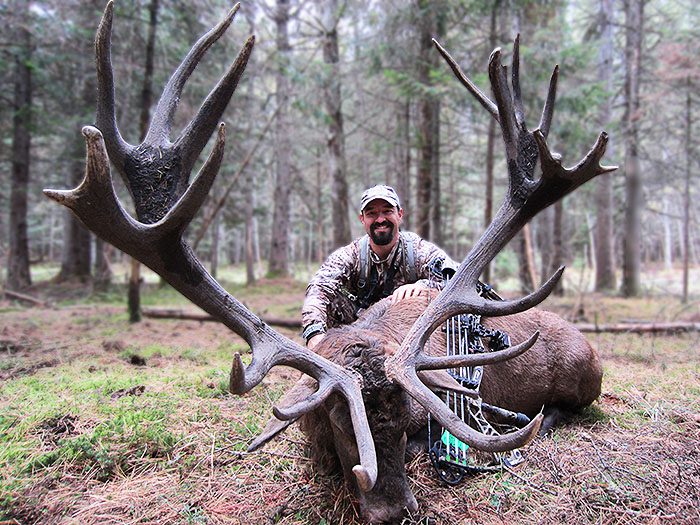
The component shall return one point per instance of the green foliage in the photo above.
(146, 352)
(505, 265)
(113, 445)
(193, 514)
(593, 414)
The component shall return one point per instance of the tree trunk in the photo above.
(604, 236)
(147, 88)
(435, 194)
(686, 191)
(18, 274)
(337, 166)
(318, 217)
(526, 260)
(279, 243)
(634, 18)
(490, 144)
(250, 235)
(215, 235)
(133, 296)
(76, 254)
(102, 271)
(75, 258)
(545, 241)
(557, 257)
(403, 158)
(428, 114)
(436, 232)
(668, 234)
(134, 293)
(454, 207)
(53, 227)
(249, 179)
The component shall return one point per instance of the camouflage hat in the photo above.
(386, 193)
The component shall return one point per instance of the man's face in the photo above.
(381, 221)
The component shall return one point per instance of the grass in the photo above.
(81, 443)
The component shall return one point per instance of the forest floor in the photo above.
(102, 421)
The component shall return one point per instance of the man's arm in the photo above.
(334, 273)
(425, 254)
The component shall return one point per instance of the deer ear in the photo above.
(300, 391)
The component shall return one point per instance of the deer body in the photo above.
(560, 373)
(560, 370)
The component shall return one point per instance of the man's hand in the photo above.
(314, 341)
(407, 290)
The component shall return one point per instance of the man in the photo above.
(385, 262)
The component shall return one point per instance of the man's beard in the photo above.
(382, 238)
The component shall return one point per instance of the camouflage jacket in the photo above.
(334, 297)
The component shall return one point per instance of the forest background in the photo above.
(341, 95)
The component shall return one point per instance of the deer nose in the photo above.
(393, 513)
(412, 504)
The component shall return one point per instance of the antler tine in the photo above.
(515, 80)
(558, 181)
(95, 195)
(242, 379)
(548, 109)
(429, 362)
(498, 74)
(331, 379)
(567, 180)
(459, 295)
(458, 298)
(471, 87)
(302, 407)
(402, 366)
(192, 138)
(159, 130)
(156, 157)
(106, 119)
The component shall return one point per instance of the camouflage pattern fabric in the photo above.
(331, 296)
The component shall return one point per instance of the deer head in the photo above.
(157, 172)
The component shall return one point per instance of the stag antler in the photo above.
(525, 198)
(156, 173)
